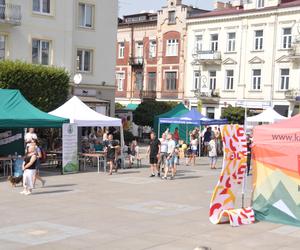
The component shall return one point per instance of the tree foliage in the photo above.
(119, 106)
(235, 115)
(147, 110)
(44, 87)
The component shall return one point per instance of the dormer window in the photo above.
(172, 17)
(260, 3)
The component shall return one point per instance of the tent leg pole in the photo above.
(158, 132)
(122, 145)
(244, 188)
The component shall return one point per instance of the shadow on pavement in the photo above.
(52, 192)
(62, 185)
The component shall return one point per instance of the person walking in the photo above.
(176, 136)
(154, 154)
(171, 159)
(207, 139)
(29, 168)
(194, 150)
(212, 152)
(163, 153)
(110, 149)
(39, 157)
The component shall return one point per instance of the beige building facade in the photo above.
(244, 55)
(73, 34)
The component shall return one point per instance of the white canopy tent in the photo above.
(267, 116)
(78, 112)
(83, 116)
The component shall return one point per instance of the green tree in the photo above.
(147, 110)
(235, 115)
(45, 87)
(119, 106)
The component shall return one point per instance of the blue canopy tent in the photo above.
(193, 117)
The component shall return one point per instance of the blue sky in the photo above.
(136, 6)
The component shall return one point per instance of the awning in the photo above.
(132, 106)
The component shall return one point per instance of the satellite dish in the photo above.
(77, 78)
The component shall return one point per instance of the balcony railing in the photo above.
(136, 61)
(292, 94)
(10, 14)
(149, 94)
(294, 52)
(208, 56)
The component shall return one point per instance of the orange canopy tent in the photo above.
(276, 158)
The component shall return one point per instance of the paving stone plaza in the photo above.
(130, 211)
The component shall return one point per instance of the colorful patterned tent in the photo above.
(277, 172)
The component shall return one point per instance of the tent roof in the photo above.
(83, 116)
(268, 116)
(192, 117)
(17, 112)
(178, 110)
(132, 106)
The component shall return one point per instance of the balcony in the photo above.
(136, 62)
(208, 57)
(292, 94)
(210, 97)
(149, 94)
(10, 14)
(294, 52)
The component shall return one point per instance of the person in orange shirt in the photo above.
(176, 136)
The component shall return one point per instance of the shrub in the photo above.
(45, 87)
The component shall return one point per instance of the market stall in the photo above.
(16, 113)
(80, 115)
(276, 155)
(268, 116)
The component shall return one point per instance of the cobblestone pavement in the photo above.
(130, 211)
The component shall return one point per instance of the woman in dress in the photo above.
(212, 152)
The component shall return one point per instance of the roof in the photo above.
(236, 11)
(268, 116)
(83, 116)
(90, 99)
(17, 112)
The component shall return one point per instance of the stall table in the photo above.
(6, 163)
(101, 157)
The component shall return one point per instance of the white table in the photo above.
(101, 157)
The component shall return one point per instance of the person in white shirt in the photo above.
(212, 152)
(163, 152)
(171, 158)
(29, 137)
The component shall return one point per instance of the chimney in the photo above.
(219, 5)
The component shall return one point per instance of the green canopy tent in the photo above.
(180, 109)
(17, 112)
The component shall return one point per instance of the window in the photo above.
(86, 12)
(196, 80)
(120, 80)
(284, 79)
(171, 80)
(258, 41)
(139, 81)
(139, 52)
(172, 17)
(231, 42)
(214, 42)
(229, 80)
(210, 112)
(84, 60)
(2, 47)
(40, 52)
(260, 3)
(256, 79)
(152, 81)
(152, 49)
(212, 80)
(198, 42)
(172, 47)
(121, 50)
(41, 6)
(286, 38)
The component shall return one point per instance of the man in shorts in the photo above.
(154, 153)
(171, 158)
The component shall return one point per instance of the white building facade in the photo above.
(73, 34)
(244, 55)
